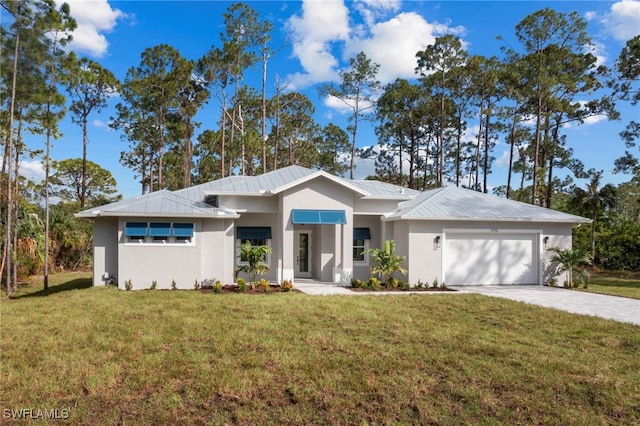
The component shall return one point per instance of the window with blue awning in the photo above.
(361, 234)
(135, 229)
(253, 232)
(318, 217)
(158, 229)
(183, 230)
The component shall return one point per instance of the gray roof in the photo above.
(159, 203)
(188, 202)
(279, 180)
(453, 203)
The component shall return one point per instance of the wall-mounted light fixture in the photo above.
(545, 241)
(436, 242)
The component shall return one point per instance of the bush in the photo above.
(174, 286)
(374, 284)
(154, 284)
(196, 285)
(128, 285)
(265, 285)
(242, 285)
(286, 286)
(217, 287)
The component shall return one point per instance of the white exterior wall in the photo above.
(216, 248)
(260, 219)
(105, 251)
(320, 194)
(425, 260)
(363, 271)
(207, 257)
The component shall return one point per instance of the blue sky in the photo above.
(323, 35)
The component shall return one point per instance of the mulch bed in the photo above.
(229, 288)
(400, 290)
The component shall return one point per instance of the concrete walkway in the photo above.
(578, 302)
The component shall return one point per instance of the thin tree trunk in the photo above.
(83, 186)
(513, 140)
(485, 166)
(8, 154)
(477, 171)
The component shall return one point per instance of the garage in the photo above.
(492, 257)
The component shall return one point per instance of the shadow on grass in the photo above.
(75, 284)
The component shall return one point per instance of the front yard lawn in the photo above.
(184, 357)
(614, 286)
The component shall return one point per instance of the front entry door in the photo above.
(302, 251)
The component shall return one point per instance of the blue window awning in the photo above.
(183, 230)
(160, 229)
(361, 234)
(253, 232)
(135, 229)
(322, 217)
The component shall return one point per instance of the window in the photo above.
(256, 235)
(159, 232)
(135, 231)
(361, 237)
(183, 232)
(359, 247)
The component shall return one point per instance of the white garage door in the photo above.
(490, 258)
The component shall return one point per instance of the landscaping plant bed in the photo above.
(232, 288)
(402, 290)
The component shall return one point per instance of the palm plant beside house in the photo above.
(253, 260)
(569, 260)
(387, 262)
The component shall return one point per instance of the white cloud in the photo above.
(322, 22)
(623, 20)
(100, 124)
(323, 33)
(94, 18)
(598, 50)
(346, 106)
(393, 45)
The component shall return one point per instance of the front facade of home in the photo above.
(319, 227)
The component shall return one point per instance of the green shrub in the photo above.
(374, 284)
(217, 287)
(265, 285)
(196, 285)
(128, 285)
(434, 284)
(174, 286)
(394, 283)
(419, 285)
(154, 284)
(242, 285)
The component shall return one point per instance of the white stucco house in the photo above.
(318, 225)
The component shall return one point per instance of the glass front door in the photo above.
(303, 253)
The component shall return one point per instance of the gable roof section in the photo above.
(160, 203)
(280, 180)
(453, 203)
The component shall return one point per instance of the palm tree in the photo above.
(253, 260)
(569, 260)
(387, 262)
(593, 202)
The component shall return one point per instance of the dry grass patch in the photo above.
(182, 357)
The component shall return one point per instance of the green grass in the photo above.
(624, 285)
(183, 357)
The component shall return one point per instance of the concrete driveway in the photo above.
(577, 302)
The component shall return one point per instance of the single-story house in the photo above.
(318, 226)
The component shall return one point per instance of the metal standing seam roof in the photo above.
(159, 203)
(453, 203)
